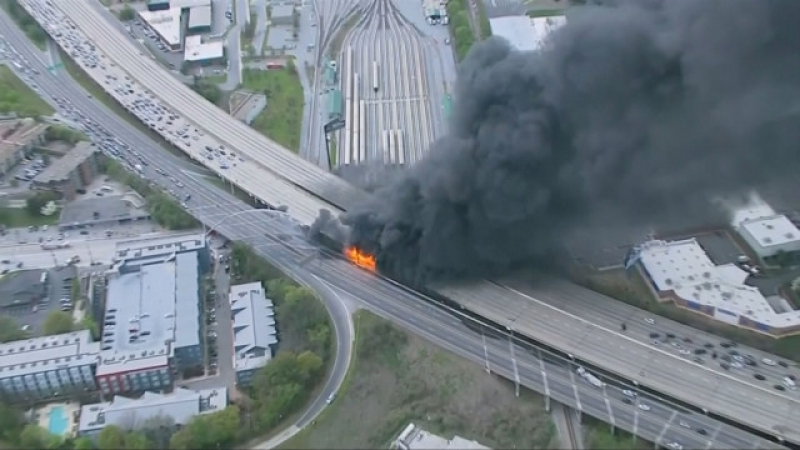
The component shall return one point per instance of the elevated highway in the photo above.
(273, 174)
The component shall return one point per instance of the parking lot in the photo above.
(59, 286)
(141, 32)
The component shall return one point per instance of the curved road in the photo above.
(208, 203)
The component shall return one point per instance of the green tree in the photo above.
(10, 330)
(57, 322)
(212, 431)
(87, 323)
(34, 437)
(11, 422)
(37, 201)
(111, 437)
(127, 14)
(158, 430)
(63, 133)
(83, 443)
(169, 214)
(209, 91)
(75, 289)
(136, 441)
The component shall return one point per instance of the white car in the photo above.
(650, 321)
(685, 352)
(737, 365)
(788, 382)
(674, 446)
(769, 362)
(644, 407)
(684, 424)
(629, 393)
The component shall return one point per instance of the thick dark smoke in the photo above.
(636, 113)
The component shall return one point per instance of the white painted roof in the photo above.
(772, 231)
(254, 331)
(685, 268)
(525, 33)
(415, 438)
(181, 4)
(166, 22)
(181, 405)
(200, 16)
(197, 50)
(47, 353)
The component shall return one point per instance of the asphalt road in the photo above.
(208, 204)
(390, 116)
(205, 213)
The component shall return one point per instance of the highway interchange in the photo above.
(210, 203)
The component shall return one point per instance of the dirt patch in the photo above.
(398, 378)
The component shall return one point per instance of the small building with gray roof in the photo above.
(74, 171)
(100, 212)
(132, 413)
(254, 334)
(21, 289)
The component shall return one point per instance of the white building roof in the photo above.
(525, 33)
(158, 246)
(200, 16)
(47, 353)
(685, 268)
(774, 231)
(415, 438)
(181, 405)
(182, 4)
(253, 326)
(167, 23)
(197, 50)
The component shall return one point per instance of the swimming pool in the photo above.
(58, 422)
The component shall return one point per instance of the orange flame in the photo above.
(361, 259)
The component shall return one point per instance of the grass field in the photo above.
(16, 96)
(397, 378)
(282, 119)
(20, 217)
(597, 435)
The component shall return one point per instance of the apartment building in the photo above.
(254, 334)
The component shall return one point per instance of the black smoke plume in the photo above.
(636, 112)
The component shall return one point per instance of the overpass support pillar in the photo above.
(544, 380)
(612, 421)
(486, 367)
(514, 363)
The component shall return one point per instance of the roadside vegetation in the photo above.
(31, 28)
(164, 210)
(632, 289)
(462, 34)
(282, 119)
(22, 217)
(207, 89)
(396, 378)
(17, 97)
(64, 134)
(597, 435)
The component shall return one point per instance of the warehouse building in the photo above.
(74, 171)
(254, 334)
(248, 106)
(166, 23)
(682, 272)
(46, 366)
(200, 19)
(282, 14)
(131, 413)
(526, 33)
(203, 53)
(102, 212)
(17, 139)
(765, 231)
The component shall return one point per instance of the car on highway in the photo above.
(674, 446)
(628, 393)
(644, 407)
(650, 320)
(330, 399)
(769, 362)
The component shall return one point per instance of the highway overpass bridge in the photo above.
(276, 176)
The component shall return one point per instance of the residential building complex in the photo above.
(180, 406)
(152, 315)
(254, 334)
(415, 438)
(148, 306)
(46, 366)
(74, 171)
(17, 138)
